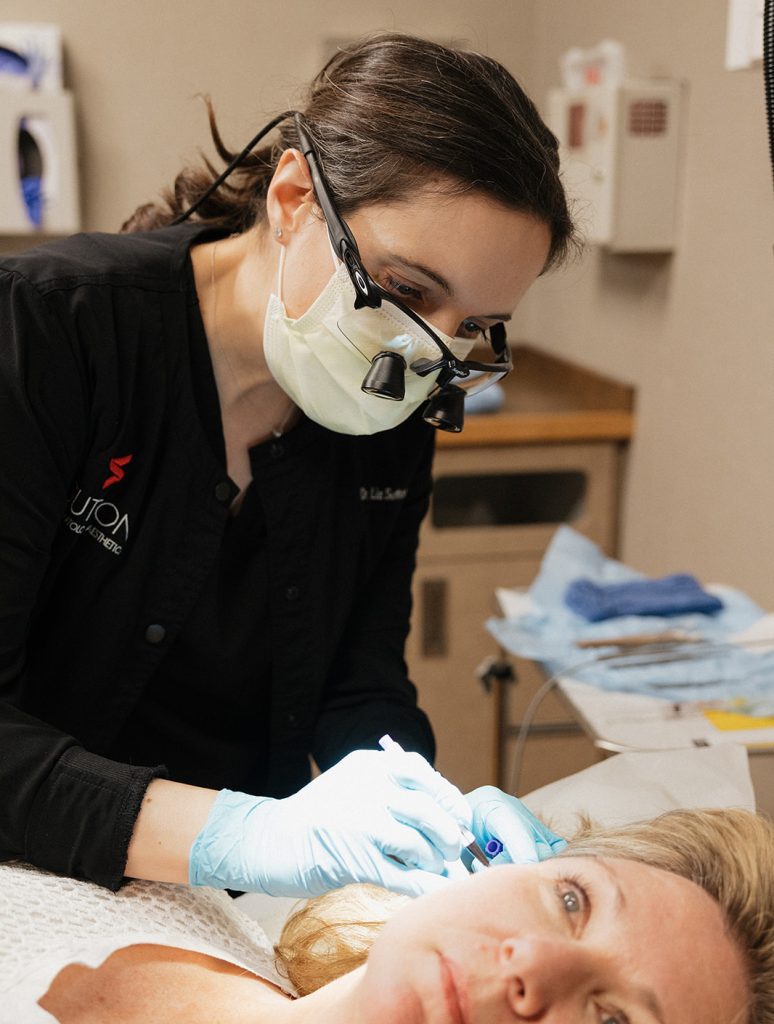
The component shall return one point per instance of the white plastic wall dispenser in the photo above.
(38, 168)
(45, 120)
(619, 153)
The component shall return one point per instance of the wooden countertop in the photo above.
(550, 400)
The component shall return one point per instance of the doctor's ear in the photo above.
(290, 198)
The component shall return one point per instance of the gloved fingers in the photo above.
(551, 848)
(522, 843)
(455, 869)
(528, 840)
(485, 799)
(548, 839)
(411, 847)
(412, 881)
(411, 771)
(476, 865)
(525, 837)
(433, 822)
(517, 836)
(453, 801)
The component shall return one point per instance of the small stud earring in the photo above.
(278, 232)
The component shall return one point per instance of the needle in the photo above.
(468, 839)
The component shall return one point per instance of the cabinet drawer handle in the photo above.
(434, 598)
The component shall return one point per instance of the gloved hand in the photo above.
(496, 815)
(346, 825)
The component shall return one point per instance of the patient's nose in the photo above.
(542, 973)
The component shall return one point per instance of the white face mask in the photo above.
(321, 358)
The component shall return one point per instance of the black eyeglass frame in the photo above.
(369, 293)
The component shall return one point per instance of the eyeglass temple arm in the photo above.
(342, 239)
(337, 229)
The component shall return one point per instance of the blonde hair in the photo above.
(332, 934)
(728, 853)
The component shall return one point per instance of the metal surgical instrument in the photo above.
(468, 839)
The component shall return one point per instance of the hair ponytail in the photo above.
(235, 205)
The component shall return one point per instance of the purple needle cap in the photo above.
(493, 847)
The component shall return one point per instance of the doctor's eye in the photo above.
(405, 291)
(605, 1017)
(471, 329)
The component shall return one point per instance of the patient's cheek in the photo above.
(390, 1000)
(402, 982)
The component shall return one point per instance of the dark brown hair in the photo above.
(388, 115)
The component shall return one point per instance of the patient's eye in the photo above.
(572, 901)
(573, 895)
(574, 898)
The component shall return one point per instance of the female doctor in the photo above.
(215, 452)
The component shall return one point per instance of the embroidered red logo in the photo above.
(116, 470)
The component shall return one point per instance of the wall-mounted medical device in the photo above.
(38, 167)
(619, 148)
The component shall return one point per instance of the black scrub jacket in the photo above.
(112, 509)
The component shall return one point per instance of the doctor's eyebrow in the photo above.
(443, 283)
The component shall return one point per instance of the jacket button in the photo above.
(223, 491)
(291, 593)
(277, 450)
(292, 720)
(155, 633)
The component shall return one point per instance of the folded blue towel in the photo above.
(678, 594)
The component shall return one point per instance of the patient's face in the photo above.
(574, 940)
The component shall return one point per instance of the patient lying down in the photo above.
(663, 922)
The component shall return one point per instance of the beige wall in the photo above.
(136, 67)
(694, 332)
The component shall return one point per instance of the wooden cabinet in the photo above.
(496, 504)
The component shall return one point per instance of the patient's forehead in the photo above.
(673, 930)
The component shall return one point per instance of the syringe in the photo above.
(468, 839)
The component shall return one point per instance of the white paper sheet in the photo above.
(637, 785)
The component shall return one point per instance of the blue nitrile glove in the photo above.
(499, 816)
(345, 826)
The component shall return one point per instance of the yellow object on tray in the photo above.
(729, 720)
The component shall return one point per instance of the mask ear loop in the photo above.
(281, 265)
(281, 273)
(336, 261)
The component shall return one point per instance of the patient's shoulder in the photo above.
(147, 982)
(48, 922)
